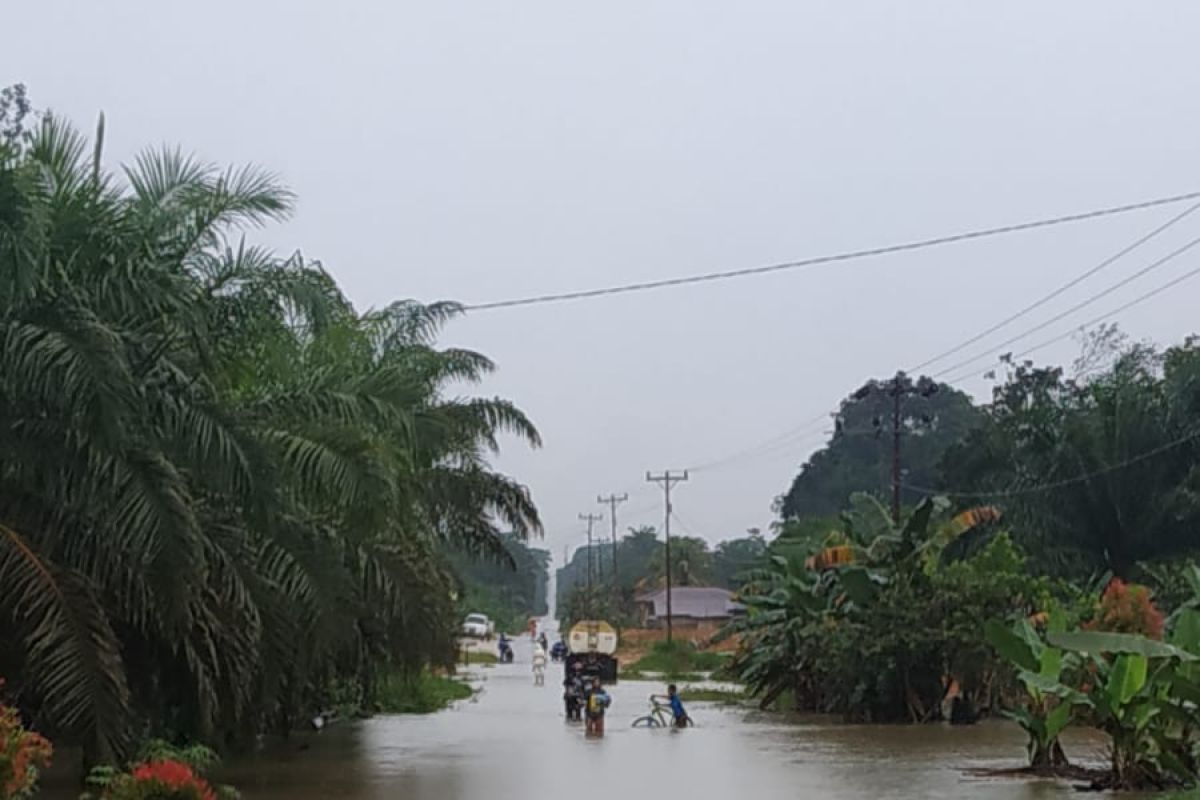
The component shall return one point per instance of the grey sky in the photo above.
(479, 151)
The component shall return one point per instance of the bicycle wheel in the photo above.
(648, 721)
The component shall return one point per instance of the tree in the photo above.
(510, 589)
(733, 558)
(1096, 474)
(691, 563)
(858, 457)
(222, 488)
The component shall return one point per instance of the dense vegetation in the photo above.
(1061, 492)
(223, 489)
(509, 590)
(858, 457)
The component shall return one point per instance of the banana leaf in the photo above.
(1117, 643)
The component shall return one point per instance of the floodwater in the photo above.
(510, 741)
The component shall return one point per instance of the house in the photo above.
(707, 607)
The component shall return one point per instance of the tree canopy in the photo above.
(858, 457)
(222, 487)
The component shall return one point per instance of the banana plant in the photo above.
(1049, 706)
(1139, 698)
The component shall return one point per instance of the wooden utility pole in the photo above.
(612, 501)
(590, 519)
(896, 450)
(667, 480)
(898, 389)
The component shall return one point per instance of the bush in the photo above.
(1127, 608)
(422, 693)
(162, 771)
(673, 659)
(166, 779)
(23, 754)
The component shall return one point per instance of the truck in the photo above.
(592, 644)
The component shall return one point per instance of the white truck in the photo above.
(478, 626)
(592, 644)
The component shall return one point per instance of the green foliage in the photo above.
(695, 694)
(691, 564)
(1044, 428)
(1139, 691)
(188, 764)
(858, 456)
(1048, 708)
(422, 693)
(733, 559)
(509, 588)
(222, 488)
(876, 639)
(199, 757)
(675, 659)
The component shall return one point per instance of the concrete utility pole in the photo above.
(612, 501)
(590, 519)
(667, 480)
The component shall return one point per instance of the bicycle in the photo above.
(660, 716)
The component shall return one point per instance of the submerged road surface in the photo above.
(511, 742)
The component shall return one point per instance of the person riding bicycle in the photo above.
(598, 702)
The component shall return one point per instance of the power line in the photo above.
(1080, 305)
(767, 446)
(1045, 487)
(796, 433)
(788, 437)
(918, 244)
(1059, 291)
(1102, 317)
(612, 501)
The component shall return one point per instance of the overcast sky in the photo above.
(485, 150)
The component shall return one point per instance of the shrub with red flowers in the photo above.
(22, 755)
(165, 779)
(1127, 608)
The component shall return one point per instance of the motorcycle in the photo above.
(558, 652)
(506, 652)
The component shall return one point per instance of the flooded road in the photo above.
(511, 742)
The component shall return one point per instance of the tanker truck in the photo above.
(592, 644)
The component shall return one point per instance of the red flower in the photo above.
(1127, 608)
(175, 776)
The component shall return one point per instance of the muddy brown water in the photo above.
(510, 741)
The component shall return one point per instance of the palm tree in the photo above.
(221, 487)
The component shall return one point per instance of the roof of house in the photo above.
(698, 602)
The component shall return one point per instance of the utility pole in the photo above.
(612, 501)
(896, 450)
(898, 388)
(590, 519)
(667, 480)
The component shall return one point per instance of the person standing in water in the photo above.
(539, 665)
(598, 702)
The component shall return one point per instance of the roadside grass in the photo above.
(419, 694)
(677, 661)
(474, 656)
(697, 694)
